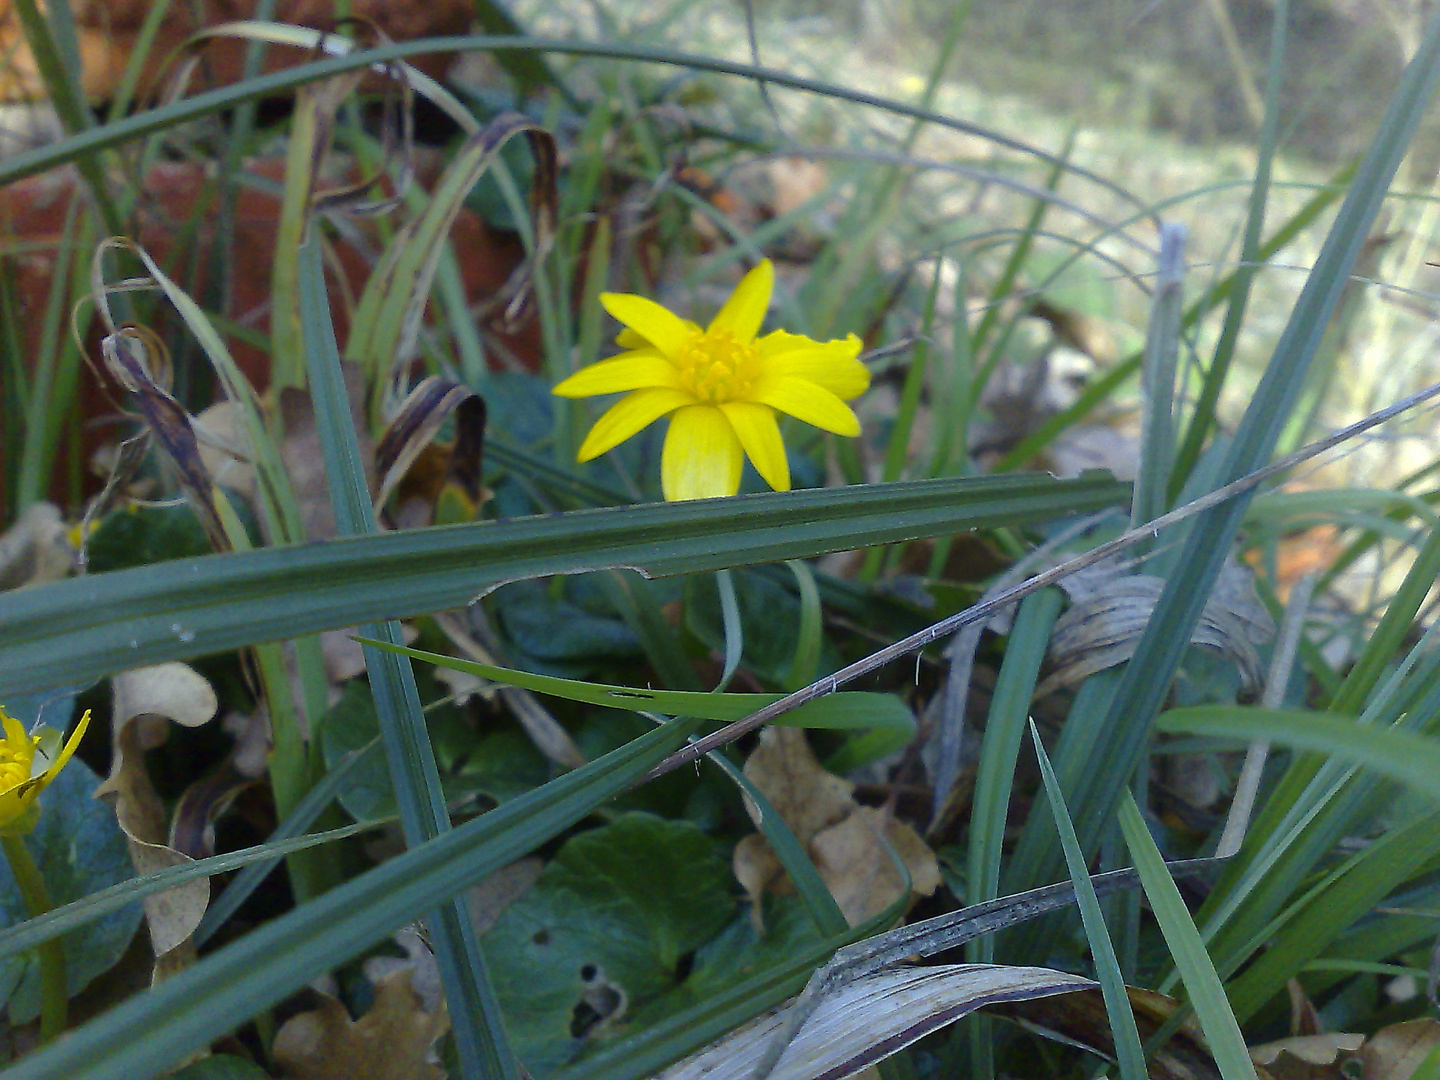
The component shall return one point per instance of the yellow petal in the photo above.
(629, 415)
(663, 329)
(783, 341)
(629, 339)
(831, 365)
(702, 457)
(760, 436)
(15, 735)
(745, 310)
(68, 749)
(806, 401)
(632, 371)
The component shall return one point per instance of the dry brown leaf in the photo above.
(36, 549)
(390, 1042)
(1111, 607)
(225, 448)
(1395, 1052)
(418, 960)
(787, 773)
(344, 657)
(757, 869)
(1392, 1053)
(794, 182)
(145, 701)
(847, 841)
(869, 1019)
(305, 461)
(1080, 1019)
(861, 873)
(1307, 1057)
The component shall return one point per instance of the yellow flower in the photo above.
(720, 386)
(27, 765)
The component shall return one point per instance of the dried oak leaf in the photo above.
(1395, 1052)
(390, 1042)
(860, 871)
(847, 841)
(1308, 1057)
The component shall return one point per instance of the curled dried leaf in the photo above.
(1110, 608)
(869, 1019)
(146, 700)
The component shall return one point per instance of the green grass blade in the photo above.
(1401, 755)
(78, 913)
(1102, 388)
(1203, 418)
(1399, 619)
(1000, 750)
(1157, 378)
(994, 782)
(1107, 966)
(529, 70)
(849, 710)
(1222, 1031)
(305, 813)
(1368, 878)
(733, 629)
(824, 911)
(480, 1039)
(87, 143)
(84, 628)
(62, 86)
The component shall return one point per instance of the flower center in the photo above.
(715, 367)
(15, 763)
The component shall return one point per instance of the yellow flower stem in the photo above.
(54, 993)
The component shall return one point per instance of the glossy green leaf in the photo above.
(604, 931)
(79, 849)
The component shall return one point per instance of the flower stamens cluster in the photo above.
(717, 368)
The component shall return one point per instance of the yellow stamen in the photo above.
(716, 368)
(15, 760)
